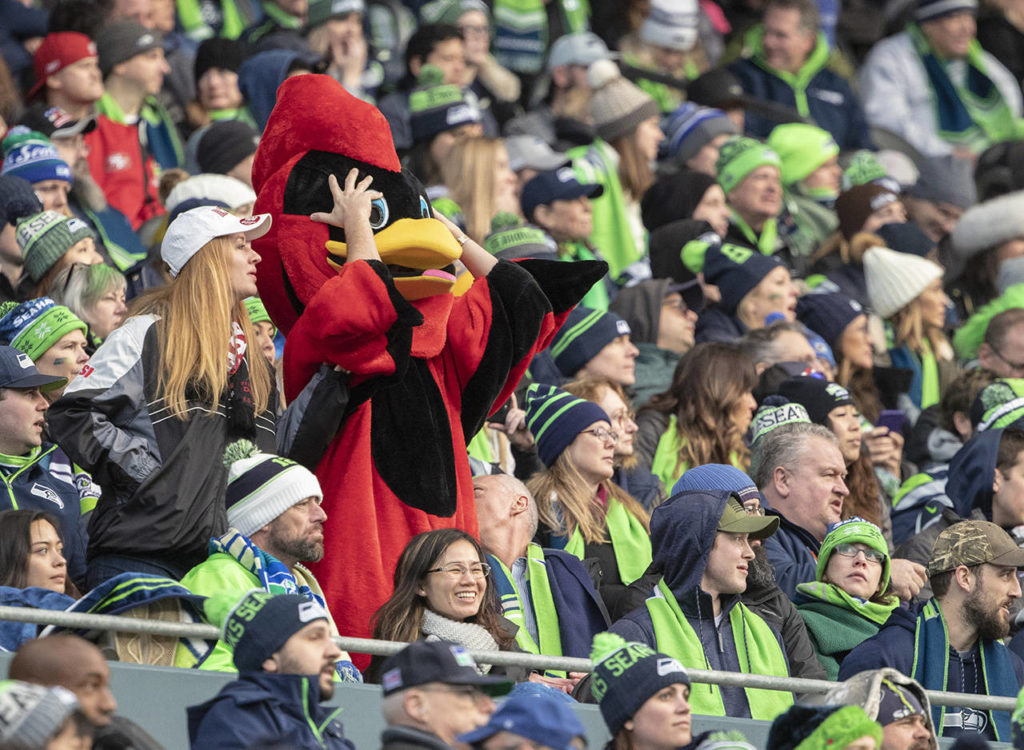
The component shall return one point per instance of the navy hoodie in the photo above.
(260, 709)
(259, 78)
(683, 531)
(792, 551)
(971, 472)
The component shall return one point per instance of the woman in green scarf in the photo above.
(848, 601)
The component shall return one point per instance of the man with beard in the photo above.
(275, 524)
(953, 642)
(281, 645)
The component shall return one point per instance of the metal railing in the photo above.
(79, 621)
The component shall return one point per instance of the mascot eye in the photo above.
(424, 208)
(378, 213)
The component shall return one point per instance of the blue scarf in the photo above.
(273, 575)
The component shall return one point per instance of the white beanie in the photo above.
(989, 224)
(895, 279)
(671, 24)
(262, 486)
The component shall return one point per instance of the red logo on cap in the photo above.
(250, 220)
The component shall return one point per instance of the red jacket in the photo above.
(124, 171)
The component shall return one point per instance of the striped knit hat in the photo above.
(34, 326)
(262, 486)
(555, 418)
(999, 404)
(584, 334)
(690, 127)
(46, 237)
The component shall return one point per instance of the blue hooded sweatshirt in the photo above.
(683, 532)
(971, 472)
(259, 78)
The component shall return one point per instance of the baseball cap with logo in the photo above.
(188, 233)
(436, 661)
(57, 51)
(17, 371)
(556, 185)
(581, 48)
(532, 152)
(973, 543)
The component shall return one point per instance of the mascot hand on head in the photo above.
(426, 367)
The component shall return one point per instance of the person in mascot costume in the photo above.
(423, 367)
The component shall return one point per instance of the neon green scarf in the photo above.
(667, 464)
(630, 542)
(765, 243)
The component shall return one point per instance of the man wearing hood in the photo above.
(701, 542)
(662, 316)
(954, 642)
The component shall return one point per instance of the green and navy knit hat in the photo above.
(436, 106)
(260, 623)
(817, 395)
(828, 314)
(999, 404)
(802, 148)
(583, 335)
(262, 486)
(31, 715)
(34, 326)
(736, 270)
(773, 415)
(322, 11)
(45, 237)
(258, 312)
(30, 155)
(512, 238)
(854, 530)
(450, 11)
(739, 156)
(821, 728)
(626, 674)
(863, 168)
(555, 418)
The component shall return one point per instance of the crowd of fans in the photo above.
(783, 435)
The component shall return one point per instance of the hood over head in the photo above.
(683, 532)
(971, 473)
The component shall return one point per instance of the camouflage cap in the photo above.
(973, 543)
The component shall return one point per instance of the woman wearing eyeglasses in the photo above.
(848, 602)
(581, 509)
(442, 592)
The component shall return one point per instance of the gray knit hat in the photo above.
(618, 105)
(45, 237)
(123, 40)
(30, 715)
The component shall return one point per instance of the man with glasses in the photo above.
(954, 643)
(701, 544)
(433, 693)
(1002, 349)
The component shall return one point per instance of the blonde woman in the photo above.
(481, 182)
(906, 290)
(581, 509)
(151, 414)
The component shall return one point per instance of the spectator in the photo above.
(38, 717)
(334, 31)
(147, 482)
(479, 180)
(262, 74)
(441, 592)
(263, 327)
(907, 291)
(620, 160)
(749, 173)
(661, 317)
(285, 656)
(693, 136)
(810, 727)
(973, 575)
(439, 45)
(274, 525)
(434, 692)
(17, 200)
(788, 65)
(701, 543)
(689, 194)
(702, 417)
(547, 593)
(280, 26)
(228, 148)
(755, 289)
(215, 72)
(596, 343)
(847, 601)
(1004, 337)
(560, 205)
(67, 73)
(51, 242)
(581, 509)
(909, 91)
(126, 170)
(779, 343)
(898, 703)
(30, 155)
(50, 335)
(645, 705)
(943, 191)
(540, 721)
(96, 295)
(986, 235)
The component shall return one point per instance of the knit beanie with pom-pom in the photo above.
(618, 105)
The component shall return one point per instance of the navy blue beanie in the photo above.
(736, 270)
(828, 314)
(555, 418)
(585, 333)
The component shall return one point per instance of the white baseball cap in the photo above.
(188, 233)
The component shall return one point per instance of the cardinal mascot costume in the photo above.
(425, 368)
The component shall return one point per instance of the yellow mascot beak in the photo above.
(418, 252)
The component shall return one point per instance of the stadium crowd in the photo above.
(782, 433)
